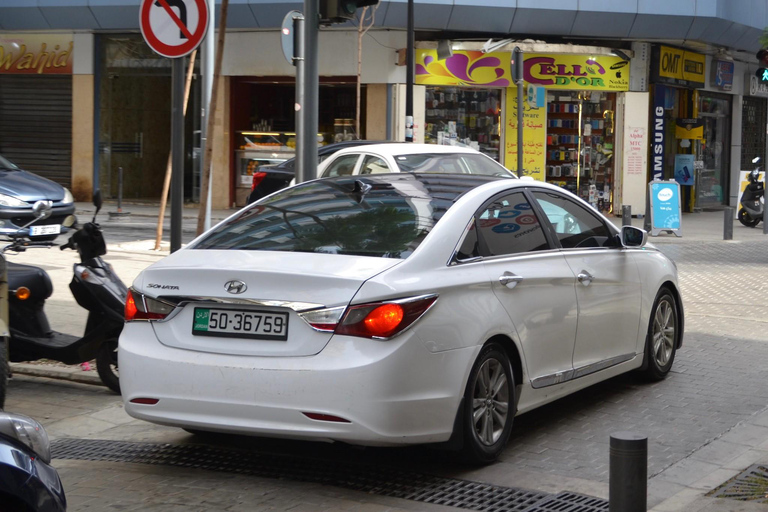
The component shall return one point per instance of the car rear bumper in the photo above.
(391, 393)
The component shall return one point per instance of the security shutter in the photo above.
(36, 124)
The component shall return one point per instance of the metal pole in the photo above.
(628, 473)
(177, 151)
(520, 110)
(207, 71)
(728, 223)
(120, 189)
(765, 182)
(310, 90)
(301, 141)
(409, 64)
(626, 215)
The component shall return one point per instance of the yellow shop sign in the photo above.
(36, 53)
(577, 72)
(463, 68)
(679, 67)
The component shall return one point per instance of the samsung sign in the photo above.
(657, 147)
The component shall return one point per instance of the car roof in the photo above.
(406, 148)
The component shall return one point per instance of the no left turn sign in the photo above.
(173, 28)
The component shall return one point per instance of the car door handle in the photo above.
(509, 279)
(585, 278)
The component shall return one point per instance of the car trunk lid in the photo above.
(264, 288)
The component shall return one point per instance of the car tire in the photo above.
(489, 410)
(106, 365)
(746, 219)
(663, 335)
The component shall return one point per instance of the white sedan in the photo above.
(422, 158)
(396, 309)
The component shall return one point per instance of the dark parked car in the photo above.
(28, 483)
(19, 190)
(272, 178)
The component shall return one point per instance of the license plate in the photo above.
(50, 229)
(241, 323)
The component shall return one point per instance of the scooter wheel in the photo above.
(106, 365)
(746, 219)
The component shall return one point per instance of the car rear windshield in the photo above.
(452, 163)
(371, 216)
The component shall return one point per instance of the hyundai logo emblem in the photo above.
(235, 286)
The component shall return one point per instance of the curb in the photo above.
(72, 374)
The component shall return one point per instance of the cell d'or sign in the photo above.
(665, 207)
(173, 28)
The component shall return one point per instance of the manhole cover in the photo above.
(750, 485)
(569, 502)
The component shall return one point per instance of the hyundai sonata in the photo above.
(396, 309)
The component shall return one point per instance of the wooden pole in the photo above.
(167, 180)
(211, 116)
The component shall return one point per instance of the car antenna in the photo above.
(360, 190)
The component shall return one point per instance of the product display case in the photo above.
(580, 138)
(255, 149)
(464, 115)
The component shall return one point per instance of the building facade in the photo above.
(617, 92)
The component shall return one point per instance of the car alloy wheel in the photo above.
(664, 330)
(490, 403)
(663, 335)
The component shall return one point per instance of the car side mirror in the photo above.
(633, 237)
(42, 209)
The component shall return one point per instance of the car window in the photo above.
(452, 163)
(507, 226)
(342, 166)
(574, 225)
(374, 165)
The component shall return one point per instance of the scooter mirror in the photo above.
(756, 159)
(97, 202)
(42, 209)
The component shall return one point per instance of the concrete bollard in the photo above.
(628, 473)
(728, 223)
(626, 215)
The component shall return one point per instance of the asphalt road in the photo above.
(717, 385)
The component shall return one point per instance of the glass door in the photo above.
(714, 150)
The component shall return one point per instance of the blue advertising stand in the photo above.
(666, 210)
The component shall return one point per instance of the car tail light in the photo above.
(140, 307)
(380, 320)
(257, 177)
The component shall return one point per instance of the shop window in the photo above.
(463, 115)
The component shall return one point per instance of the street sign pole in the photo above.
(299, 62)
(307, 137)
(177, 151)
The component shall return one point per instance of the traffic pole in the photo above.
(311, 91)
(177, 151)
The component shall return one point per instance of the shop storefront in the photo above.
(263, 121)
(691, 139)
(36, 103)
(569, 113)
(754, 120)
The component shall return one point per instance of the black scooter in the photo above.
(94, 285)
(753, 199)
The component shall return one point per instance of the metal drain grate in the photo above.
(570, 502)
(384, 481)
(750, 485)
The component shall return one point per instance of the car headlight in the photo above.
(67, 197)
(28, 432)
(6, 200)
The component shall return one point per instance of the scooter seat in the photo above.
(34, 278)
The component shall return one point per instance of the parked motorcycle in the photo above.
(753, 199)
(95, 287)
